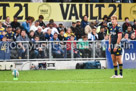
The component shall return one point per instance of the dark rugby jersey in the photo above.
(114, 31)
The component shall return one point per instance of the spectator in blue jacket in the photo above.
(56, 47)
(84, 21)
(26, 24)
(48, 35)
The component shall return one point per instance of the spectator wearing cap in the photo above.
(61, 27)
(53, 29)
(10, 34)
(51, 21)
(68, 34)
(61, 35)
(17, 33)
(7, 22)
(101, 34)
(26, 24)
(84, 21)
(93, 35)
(42, 24)
(48, 35)
(15, 24)
(35, 26)
(129, 31)
(79, 32)
(39, 33)
(134, 26)
(126, 24)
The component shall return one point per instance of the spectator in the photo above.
(61, 35)
(69, 48)
(17, 33)
(15, 24)
(1, 30)
(93, 35)
(101, 34)
(39, 33)
(129, 31)
(32, 20)
(48, 35)
(105, 19)
(10, 34)
(134, 26)
(51, 21)
(79, 32)
(35, 26)
(53, 29)
(133, 37)
(23, 49)
(31, 35)
(84, 21)
(7, 22)
(88, 28)
(26, 24)
(42, 24)
(61, 27)
(68, 34)
(126, 24)
(2, 34)
(73, 27)
(56, 47)
(83, 47)
(126, 37)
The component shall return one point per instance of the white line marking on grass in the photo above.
(69, 81)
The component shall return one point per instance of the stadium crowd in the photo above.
(36, 30)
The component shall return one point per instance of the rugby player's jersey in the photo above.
(114, 31)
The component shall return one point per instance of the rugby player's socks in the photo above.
(115, 69)
(121, 69)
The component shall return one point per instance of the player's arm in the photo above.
(119, 38)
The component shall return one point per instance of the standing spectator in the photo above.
(126, 24)
(73, 27)
(134, 26)
(35, 26)
(56, 47)
(42, 24)
(88, 28)
(61, 27)
(61, 35)
(101, 34)
(79, 32)
(68, 34)
(32, 20)
(26, 24)
(51, 21)
(31, 35)
(15, 24)
(7, 22)
(129, 31)
(105, 19)
(23, 49)
(53, 29)
(39, 33)
(48, 35)
(84, 21)
(93, 35)
(133, 37)
(10, 34)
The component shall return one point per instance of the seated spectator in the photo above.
(17, 33)
(2, 34)
(134, 26)
(7, 22)
(26, 24)
(2, 29)
(101, 34)
(126, 37)
(48, 35)
(56, 47)
(9, 33)
(93, 35)
(133, 37)
(83, 47)
(54, 30)
(79, 32)
(61, 35)
(32, 21)
(23, 49)
(39, 33)
(68, 34)
(35, 26)
(61, 27)
(126, 24)
(31, 35)
(42, 24)
(88, 28)
(84, 21)
(15, 24)
(129, 31)
(76, 53)
(51, 21)
(105, 19)
(73, 27)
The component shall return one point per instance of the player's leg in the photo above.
(115, 65)
(118, 58)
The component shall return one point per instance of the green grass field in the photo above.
(68, 80)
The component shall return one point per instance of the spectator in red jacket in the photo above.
(52, 22)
